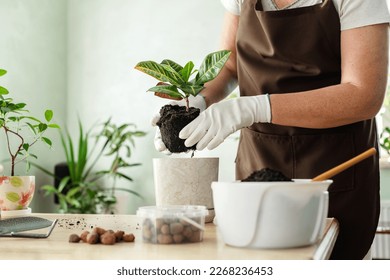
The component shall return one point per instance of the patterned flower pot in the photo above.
(16, 192)
(185, 181)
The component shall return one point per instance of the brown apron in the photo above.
(296, 50)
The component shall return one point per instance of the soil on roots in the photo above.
(174, 118)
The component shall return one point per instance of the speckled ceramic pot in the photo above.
(185, 181)
(16, 192)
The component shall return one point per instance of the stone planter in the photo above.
(185, 181)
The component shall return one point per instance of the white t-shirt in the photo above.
(353, 13)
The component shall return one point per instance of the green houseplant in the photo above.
(192, 183)
(89, 188)
(22, 132)
(180, 82)
(385, 139)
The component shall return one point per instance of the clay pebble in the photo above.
(170, 231)
(102, 236)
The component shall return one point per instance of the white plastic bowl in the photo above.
(271, 214)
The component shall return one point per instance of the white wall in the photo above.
(33, 51)
(108, 38)
(78, 56)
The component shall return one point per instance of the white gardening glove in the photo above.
(194, 101)
(221, 119)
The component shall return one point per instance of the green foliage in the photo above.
(85, 189)
(21, 128)
(385, 139)
(176, 82)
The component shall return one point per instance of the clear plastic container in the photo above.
(173, 224)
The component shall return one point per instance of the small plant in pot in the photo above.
(176, 83)
(22, 132)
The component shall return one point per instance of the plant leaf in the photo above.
(53, 125)
(2, 72)
(73, 192)
(124, 176)
(47, 141)
(42, 127)
(160, 72)
(3, 90)
(177, 67)
(63, 183)
(187, 71)
(20, 105)
(191, 89)
(83, 151)
(170, 90)
(48, 115)
(211, 66)
(49, 189)
(177, 76)
(26, 146)
(67, 144)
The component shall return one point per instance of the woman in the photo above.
(312, 76)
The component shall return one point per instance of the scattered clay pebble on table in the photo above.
(103, 236)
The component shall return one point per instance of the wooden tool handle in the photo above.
(336, 170)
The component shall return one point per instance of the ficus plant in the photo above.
(178, 82)
(21, 130)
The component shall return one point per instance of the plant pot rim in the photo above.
(21, 176)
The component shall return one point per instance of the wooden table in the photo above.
(211, 248)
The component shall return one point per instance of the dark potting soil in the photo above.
(174, 118)
(266, 175)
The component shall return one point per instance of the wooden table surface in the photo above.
(56, 246)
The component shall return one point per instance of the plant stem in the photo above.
(13, 156)
(187, 104)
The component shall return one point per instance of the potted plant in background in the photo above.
(183, 180)
(21, 131)
(89, 188)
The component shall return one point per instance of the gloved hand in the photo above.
(221, 119)
(194, 101)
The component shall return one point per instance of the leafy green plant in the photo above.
(385, 134)
(22, 131)
(85, 190)
(385, 139)
(175, 80)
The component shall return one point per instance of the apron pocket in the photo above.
(297, 156)
(258, 150)
(315, 154)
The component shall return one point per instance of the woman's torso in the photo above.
(352, 13)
